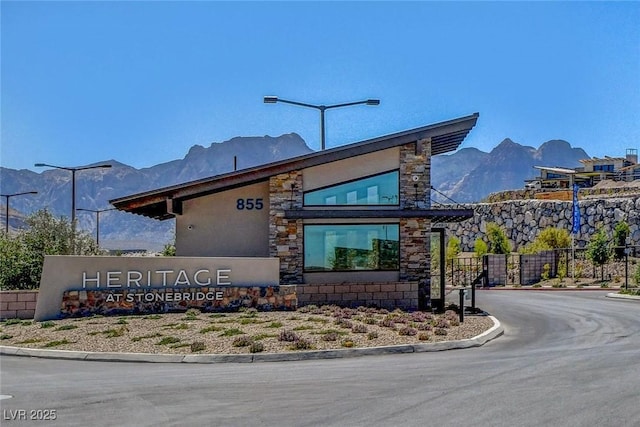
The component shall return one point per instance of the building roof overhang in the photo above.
(166, 202)
(556, 170)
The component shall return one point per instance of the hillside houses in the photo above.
(593, 171)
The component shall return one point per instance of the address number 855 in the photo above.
(249, 204)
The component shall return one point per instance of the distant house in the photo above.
(593, 171)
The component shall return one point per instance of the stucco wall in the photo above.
(220, 225)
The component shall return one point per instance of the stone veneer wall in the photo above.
(384, 295)
(285, 235)
(286, 240)
(415, 190)
(524, 219)
(18, 304)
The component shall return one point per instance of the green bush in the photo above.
(23, 252)
(636, 276)
(550, 238)
(453, 248)
(480, 247)
(498, 242)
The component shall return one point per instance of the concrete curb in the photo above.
(495, 331)
(623, 296)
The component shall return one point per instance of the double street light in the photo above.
(73, 184)
(322, 108)
(97, 212)
(6, 213)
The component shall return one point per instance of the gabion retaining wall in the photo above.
(523, 220)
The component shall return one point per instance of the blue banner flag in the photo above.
(576, 211)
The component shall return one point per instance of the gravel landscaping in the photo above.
(250, 331)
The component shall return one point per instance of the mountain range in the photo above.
(467, 175)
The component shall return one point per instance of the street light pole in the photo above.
(97, 212)
(6, 216)
(73, 182)
(73, 188)
(322, 108)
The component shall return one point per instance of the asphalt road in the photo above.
(566, 359)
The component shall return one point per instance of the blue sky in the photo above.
(141, 82)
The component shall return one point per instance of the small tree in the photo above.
(598, 250)
(23, 254)
(620, 234)
(498, 242)
(480, 247)
(453, 248)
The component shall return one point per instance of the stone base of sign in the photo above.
(79, 303)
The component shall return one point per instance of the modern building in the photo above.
(351, 225)
(593, 170)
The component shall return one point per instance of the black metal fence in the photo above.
(560, 265)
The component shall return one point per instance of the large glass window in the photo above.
(350, 247)
(379, 189)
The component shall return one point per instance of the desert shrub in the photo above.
(388, 323)
(423, 336)
(370, 320)
(288, 336)
(192, 313)
(424, 327)
(197, 346)
(330, 336)
(242, 341)
(420, 316)
(231, 332)
(372, 335)
(440, 331)
(440, 323)
(168, 340)
(408, 331)
(274, 325)
(359, 328)
(344, 323)
(256, 347)
(57, 343)
(302, 344)
(348, 343)
(47, 324)
(212, 328)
